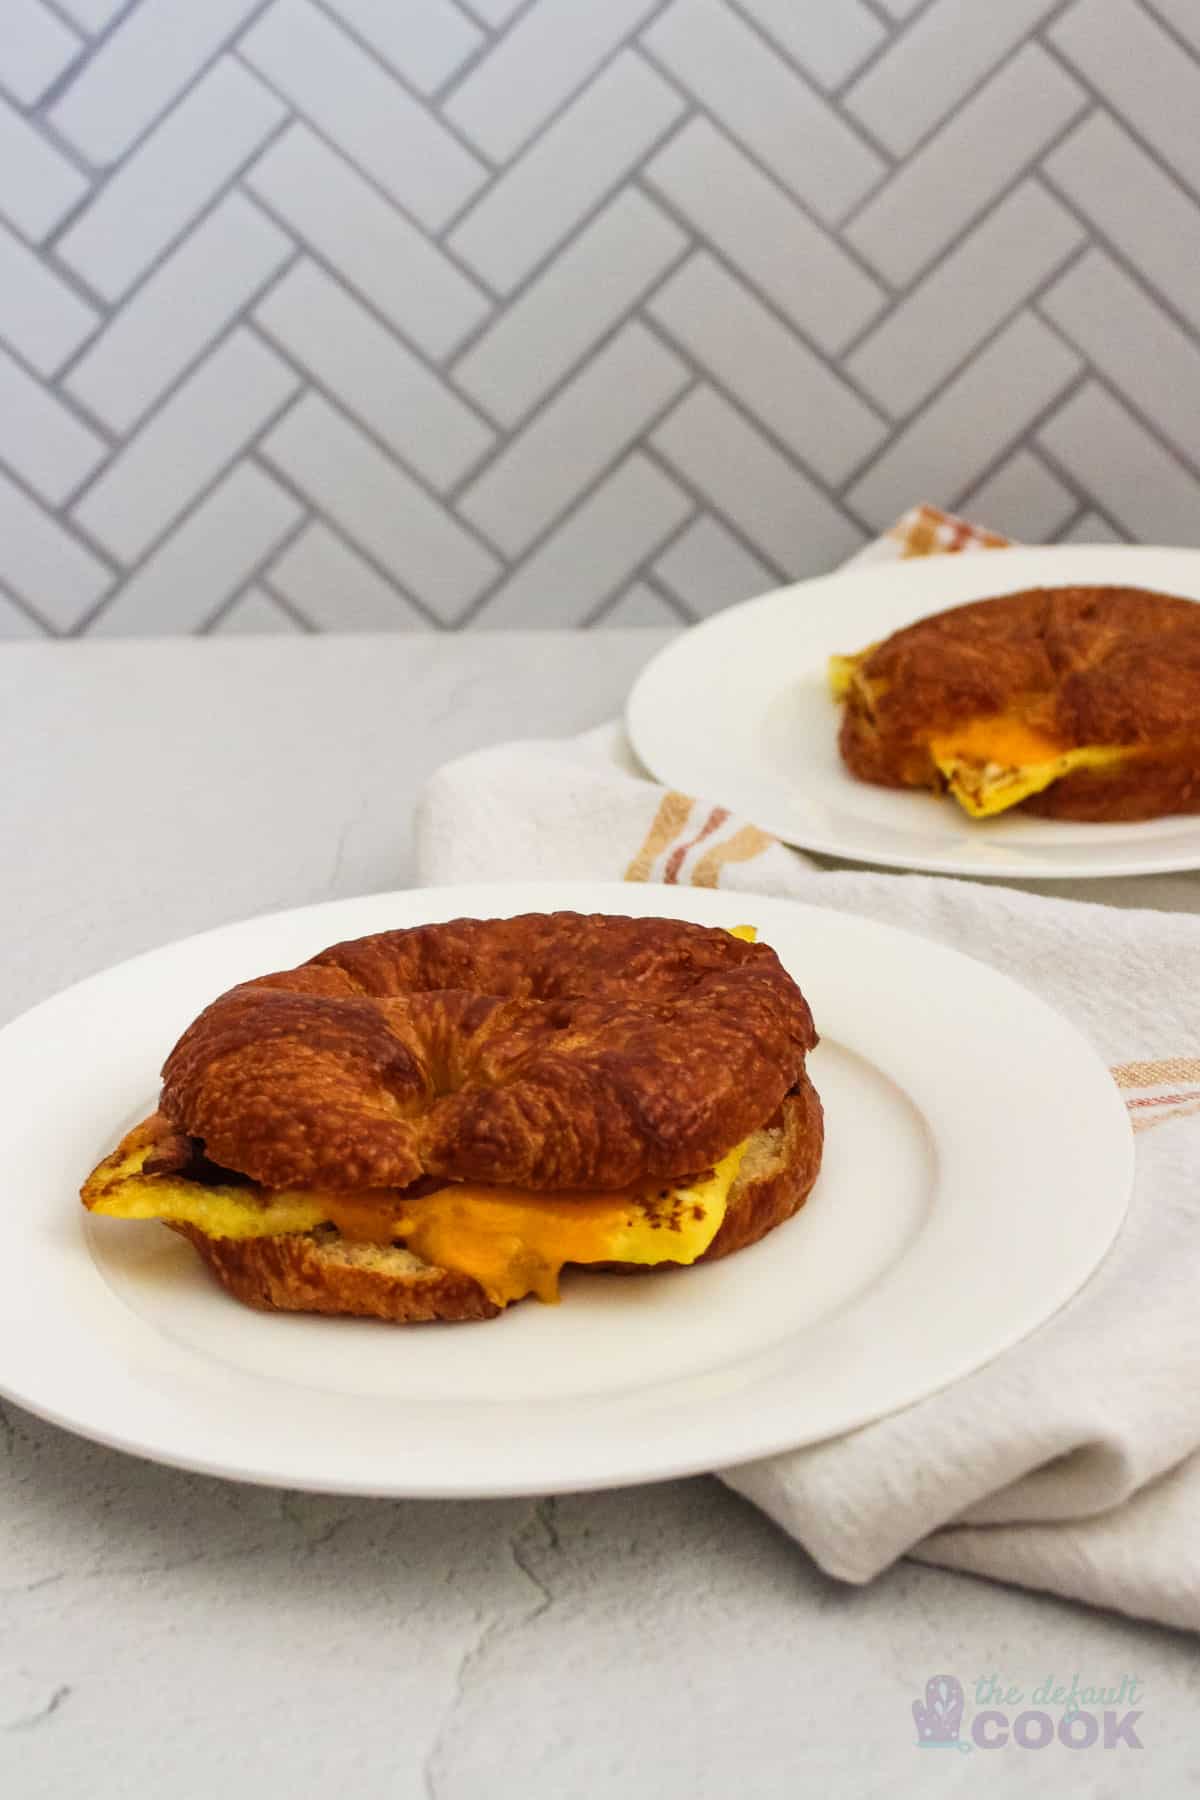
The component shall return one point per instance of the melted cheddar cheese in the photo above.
(989, 764)
(512, 1241)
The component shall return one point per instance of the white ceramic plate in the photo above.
(978, 1166)
(738, 709)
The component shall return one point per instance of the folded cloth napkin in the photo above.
(1071, 1462)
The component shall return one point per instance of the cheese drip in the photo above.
(513, 1241)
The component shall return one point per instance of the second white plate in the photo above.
(738, 709)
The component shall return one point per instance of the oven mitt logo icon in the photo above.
(939, 1715)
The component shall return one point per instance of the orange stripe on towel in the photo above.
(715, 819)
(668, 822)
(743, 846)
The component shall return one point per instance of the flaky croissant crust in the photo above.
(552, 1050)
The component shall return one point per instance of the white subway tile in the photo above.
(1023, 499)
(40, 440)
(205, 559)
(1182, 14)
(1145, 213)
(371, 374)
(38, 186)
(765, 366)
(541, 197)
(762, 231)
(983, 278)
(493, 12)
(638, 609)
(593, 552)
(177, 313)
(995, 398)
(149, 60)
(206, 422)
(707, 568)
(1133, 343)
(187, 159)
(15, 622)
(567, 444)
(35, 48)
(927, 70)
(43, 319)
(1143, 74)
(828, 38)
(43, 563)
(336, 590)
(366, 242)
(346, 94)
(1116, 460)
(949, 181)
(551, 51)
(91, 15)
(752, 92)
(380, 507)
(770, 501)
(423, 40)
(256, 614)
(1091, 528)
(597, 279)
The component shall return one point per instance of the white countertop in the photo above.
(174, 1636)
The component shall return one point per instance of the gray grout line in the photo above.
(307, 248)
(155, 409)
(313, 383)
(424, 101)
(264, 562)
(448, 369)
(104, 172)
(108, 308)
(289, 607)
(561, 106)
(182, 517)
(579, 499)
(437, 96)
(37, 111)
(708, 503)
(578, 226)
(658, 586)
(57, 513)
(296, 116)
(332, 526)
(631, 44)
(593, 620)
(1167, 25)
(832, 359)
(1100, 99)
(31, 613)
(695, 109)
(832, 93)
(1099, 239)
(1057, 467)
(121, 439)
(1189, 460)
(1025, 438)
(943, 123)
(510, 434)
(831, 490)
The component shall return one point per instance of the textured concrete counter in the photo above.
(173, 1636)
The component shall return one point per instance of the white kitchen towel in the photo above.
(1071, 1462)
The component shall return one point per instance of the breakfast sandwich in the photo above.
(431, 1123)
(1072, 702)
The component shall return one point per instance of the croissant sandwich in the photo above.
(431, 1123)
(1072, 702)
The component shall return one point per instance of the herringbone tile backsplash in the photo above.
(375, 314)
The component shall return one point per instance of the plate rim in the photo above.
(636, 898)
(646, 702)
